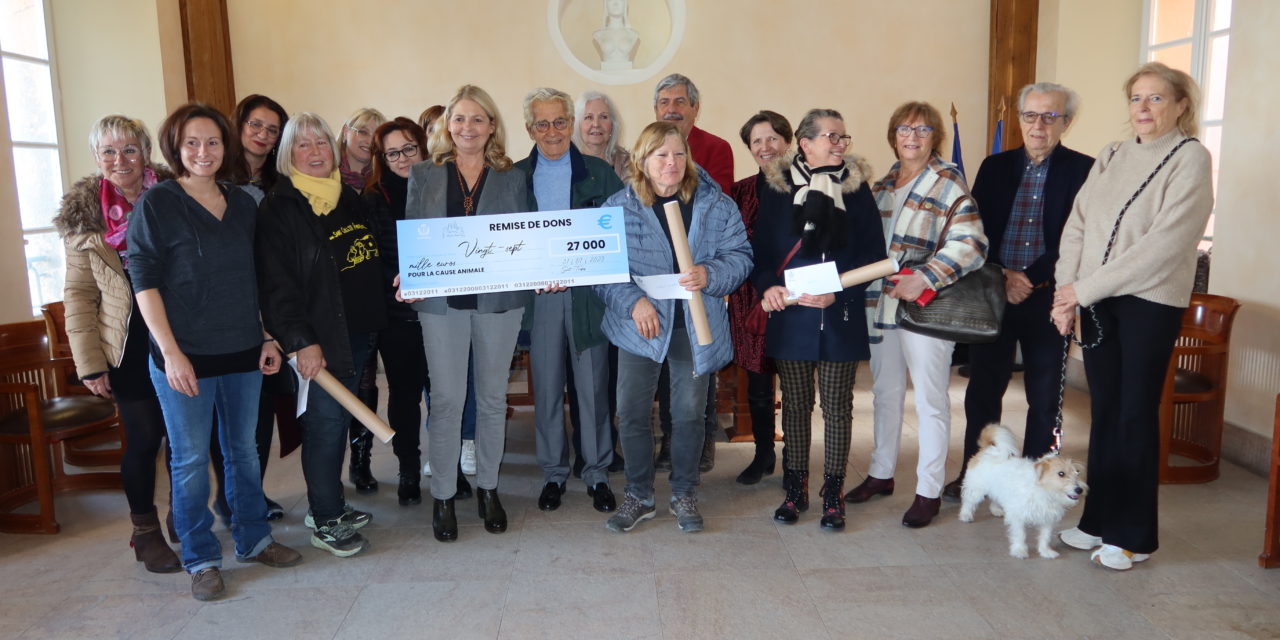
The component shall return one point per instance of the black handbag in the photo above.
(967, 311)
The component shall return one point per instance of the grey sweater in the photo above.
(203, 267)
(1154, 257)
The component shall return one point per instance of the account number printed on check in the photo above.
(511, 252)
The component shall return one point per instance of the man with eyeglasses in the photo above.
(567, 320)
(1024, 196)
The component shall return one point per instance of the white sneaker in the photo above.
(1078, 539)
(468, 460)
(1113, 557)
(426, 468)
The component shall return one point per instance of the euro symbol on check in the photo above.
(605, 221)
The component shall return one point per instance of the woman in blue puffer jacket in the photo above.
(650, 332)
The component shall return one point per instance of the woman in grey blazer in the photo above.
(469, 174)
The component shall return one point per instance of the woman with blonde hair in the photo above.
(108, 340)
(652, 332)
(1128, 255)
(469, 173)
(355, 146)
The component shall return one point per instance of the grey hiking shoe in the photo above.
(337, 538)
(685, 509)
(630, 513)
(350, 517)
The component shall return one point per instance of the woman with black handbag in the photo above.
(926, 213)
(816, 207)
(1128, 254)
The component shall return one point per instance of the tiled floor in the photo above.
(562, 575)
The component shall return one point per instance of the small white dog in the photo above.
(1026, 492)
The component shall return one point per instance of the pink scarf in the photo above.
(116, 210)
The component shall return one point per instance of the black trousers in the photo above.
(1126, 377)
(991, 366)
(405, 363)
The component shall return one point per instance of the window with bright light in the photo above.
(1193, 35)
(26, 70)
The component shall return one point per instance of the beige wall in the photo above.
(1244, 248)
(108, 57)
(744, 59)
(1091, 46)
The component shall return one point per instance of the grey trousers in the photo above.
(448, 338)
(551, 335)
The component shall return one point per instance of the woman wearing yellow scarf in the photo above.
(319, 274)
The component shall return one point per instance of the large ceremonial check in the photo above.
(511, 252)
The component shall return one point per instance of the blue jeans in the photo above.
(190, 424)
(637, 383)
(324, 438)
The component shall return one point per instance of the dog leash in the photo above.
(1097, 324)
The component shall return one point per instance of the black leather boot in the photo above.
(361, 447)
(832, 502)
(796, 486)
(410, 489)
(491, 511)
(761, 465)
(444, 523)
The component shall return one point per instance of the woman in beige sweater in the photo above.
(1136, 275)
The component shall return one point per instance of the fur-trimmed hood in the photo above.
(777, 171)
(81, 210)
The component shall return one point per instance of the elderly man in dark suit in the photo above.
(1025, 196)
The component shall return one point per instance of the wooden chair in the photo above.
(55, 327)
(84, 451)
(1195, 390)
(1270, 557)
(37, 417)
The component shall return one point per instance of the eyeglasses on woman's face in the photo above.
(408, 151)
(921, 131)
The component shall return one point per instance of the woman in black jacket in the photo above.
(817, 208)
(398, 145)
(320, 277)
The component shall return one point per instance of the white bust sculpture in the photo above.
(617, 41)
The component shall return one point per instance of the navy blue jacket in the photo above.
(837, 333)
(997, 185)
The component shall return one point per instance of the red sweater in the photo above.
(713, 154)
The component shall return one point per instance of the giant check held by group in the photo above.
(511, 252)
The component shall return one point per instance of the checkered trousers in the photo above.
(835, 391)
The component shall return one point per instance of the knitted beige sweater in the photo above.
(1154, 257)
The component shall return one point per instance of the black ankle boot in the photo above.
(832, 502)
(444, 524)
(796, 485)
(410, 490)
(762, 465)
(464, 488)
(361, 447)
(491, 511)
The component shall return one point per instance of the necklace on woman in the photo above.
(468, 195)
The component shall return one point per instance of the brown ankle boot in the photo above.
(149, 546)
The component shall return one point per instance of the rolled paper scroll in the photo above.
(680, 240)
(351, 403)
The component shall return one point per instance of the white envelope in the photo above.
(664, 287)
(814, 280)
